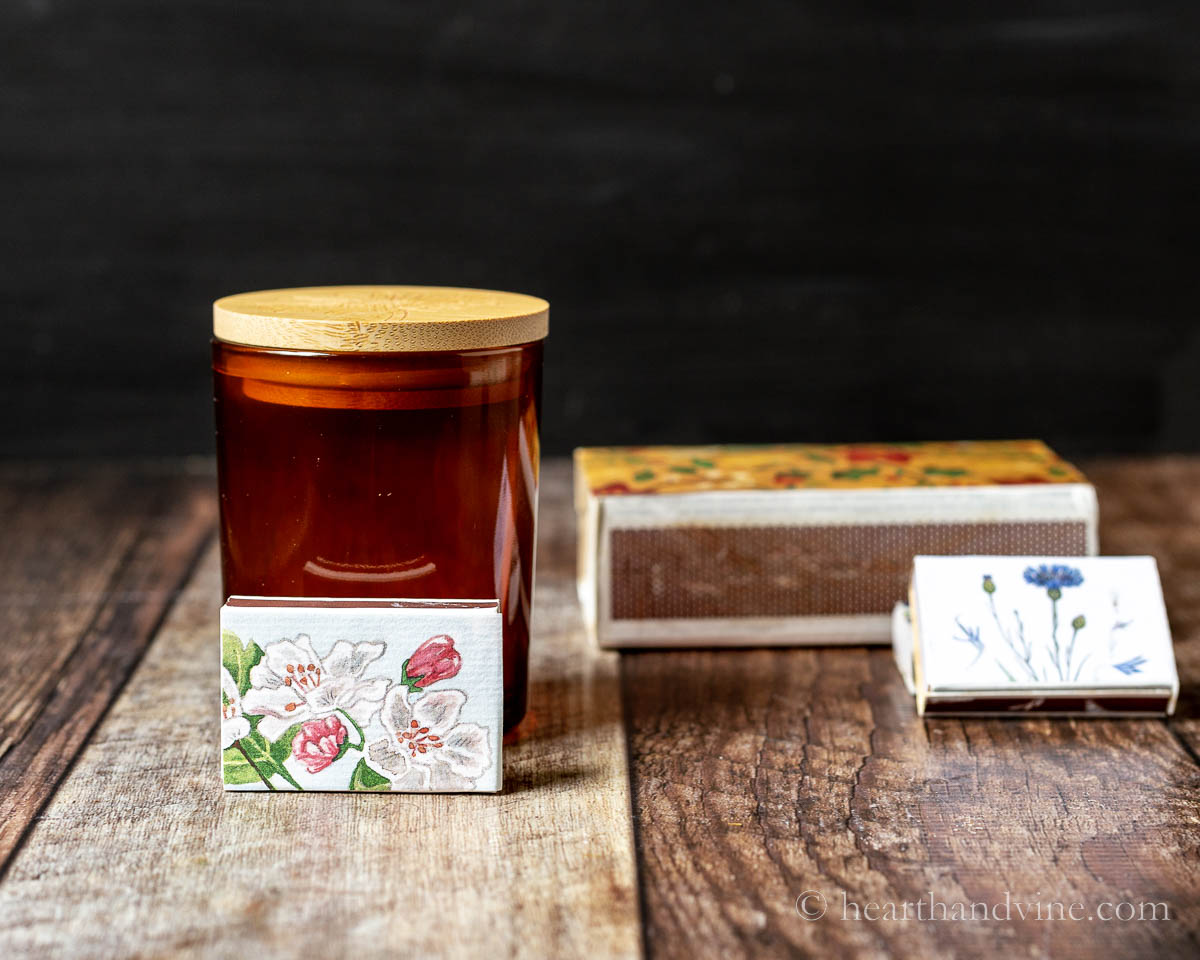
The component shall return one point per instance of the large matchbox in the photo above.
(795, 544)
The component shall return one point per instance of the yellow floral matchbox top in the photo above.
(632, 470)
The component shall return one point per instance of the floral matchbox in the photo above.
(1036, 635)
(381, 695)
(802, 543)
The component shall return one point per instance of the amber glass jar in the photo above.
(382, 442)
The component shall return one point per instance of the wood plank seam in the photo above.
(1183, 742)
(635, 805)
(28, 785)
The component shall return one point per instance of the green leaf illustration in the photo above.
(855, 473)
(237, 768)
(364, 778)
(681, 469)
(643, 475)
(249, 760)
(238, 659)
(259, 751)
(281, 749)
(708, 464)
(406, 680)
(945, 471)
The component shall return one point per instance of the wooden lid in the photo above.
(380, 319)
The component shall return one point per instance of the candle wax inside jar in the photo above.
(383, 475)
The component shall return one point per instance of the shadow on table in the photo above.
(541, 776)
(572, 733)
(1188, 705)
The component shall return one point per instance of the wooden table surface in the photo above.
(671, 804)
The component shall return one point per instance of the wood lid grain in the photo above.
(380, 319)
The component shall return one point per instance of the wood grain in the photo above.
(141, 853)
(1153, 506)
(91, 561)
(757, 776)
(761, 775)
(380, 319)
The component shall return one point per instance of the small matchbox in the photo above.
(349, 695)
(1036, 635)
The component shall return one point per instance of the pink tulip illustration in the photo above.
(317, 743)
(434, 660)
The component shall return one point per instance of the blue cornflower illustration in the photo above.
(1020, 647)
(1130, 667)
(972, 637)
(1053, 576)
(1057, 659)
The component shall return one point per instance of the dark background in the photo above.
(754, 221)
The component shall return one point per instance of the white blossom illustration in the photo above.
(234, 726)
(292, 684)
(427, 748)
